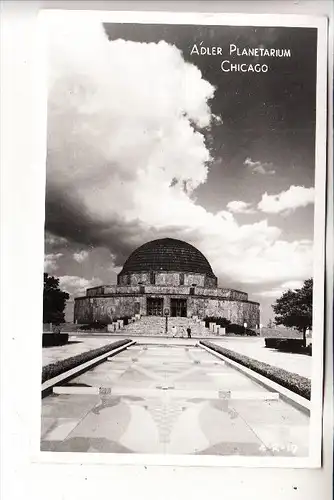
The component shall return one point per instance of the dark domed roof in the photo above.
(167, 254)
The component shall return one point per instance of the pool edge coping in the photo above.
(50, 383)
(286, 395)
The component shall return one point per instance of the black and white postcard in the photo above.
(184, 239)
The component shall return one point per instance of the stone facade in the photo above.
(168, 278)
(151, 289)
(108, 308)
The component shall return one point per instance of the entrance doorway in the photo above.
(154, 307)
(178, 307)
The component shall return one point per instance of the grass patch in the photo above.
(62, 366)
(292, 381)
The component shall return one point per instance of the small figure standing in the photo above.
(174, 331)
(189, 332)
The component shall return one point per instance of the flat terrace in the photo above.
(165, 398)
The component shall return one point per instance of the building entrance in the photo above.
(154, 307)
(178, 307)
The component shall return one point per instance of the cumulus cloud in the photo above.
(273, 293)
(127, 150)
(292, 285)
(240, 207)
(120, 130)
(277, 291)
(76, 285)
(54, 242)
(258, 167)
(51, 261)
(287, 201)
(80, 256)
(268, 259)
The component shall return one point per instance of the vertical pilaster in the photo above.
(166, 302)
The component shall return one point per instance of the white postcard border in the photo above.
(277, 20)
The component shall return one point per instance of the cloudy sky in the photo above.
(146, 140)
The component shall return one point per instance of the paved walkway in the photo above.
(252, 347)
(171, 399)
(255, 348)
(76, 345)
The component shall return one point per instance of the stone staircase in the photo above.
(156, 326)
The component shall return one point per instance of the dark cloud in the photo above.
(68, 219)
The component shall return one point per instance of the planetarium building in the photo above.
(166, 276)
